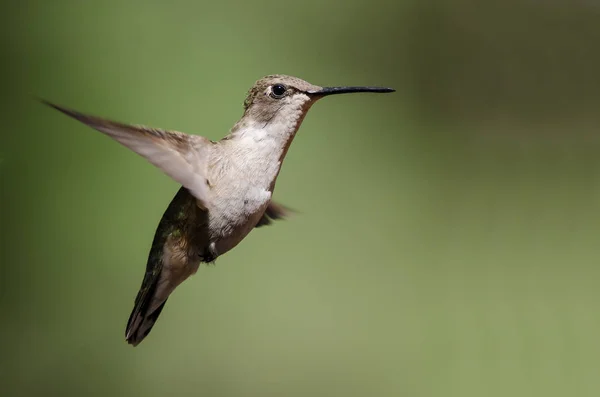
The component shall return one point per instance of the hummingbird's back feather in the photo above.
(181, 156)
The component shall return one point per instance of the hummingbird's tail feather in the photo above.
(139, 326)
(146, 309)
(172, 259)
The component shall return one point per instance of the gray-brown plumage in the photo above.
(226, 185)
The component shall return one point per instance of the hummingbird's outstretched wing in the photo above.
(273, 212)
(180, 156)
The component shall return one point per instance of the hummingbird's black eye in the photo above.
(278, 90)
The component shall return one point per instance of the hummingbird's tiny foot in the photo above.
(208, 258)
(210, 255)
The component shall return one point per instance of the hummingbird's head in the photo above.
(282, 99)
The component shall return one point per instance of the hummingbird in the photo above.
(226, 185)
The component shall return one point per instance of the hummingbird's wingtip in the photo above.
(69, 112)
(41, 100)
(48, 103)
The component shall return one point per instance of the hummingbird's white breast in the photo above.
(242, 177)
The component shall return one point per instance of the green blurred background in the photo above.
(447, 238)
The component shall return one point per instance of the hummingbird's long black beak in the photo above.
(347, 90)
